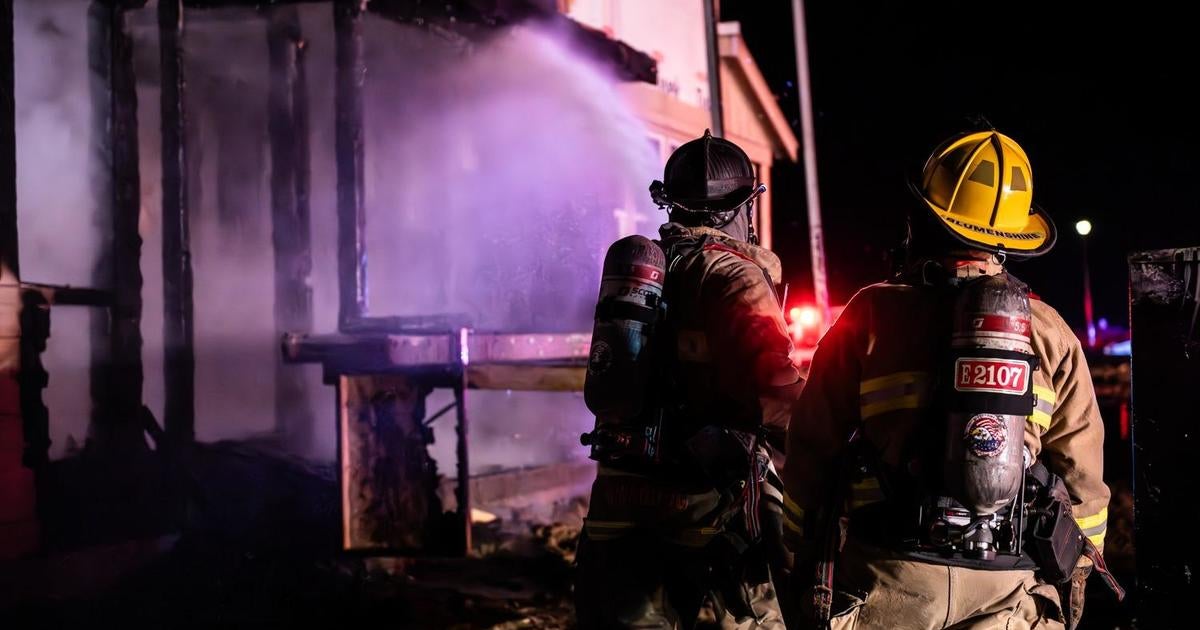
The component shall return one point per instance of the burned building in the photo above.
(299, 233)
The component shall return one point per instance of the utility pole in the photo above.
(815, 234)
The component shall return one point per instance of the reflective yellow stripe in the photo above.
(694, 537)
(606, 530)
(1088, 522)
(1043, 407)
(1045, 393)
(870, 483)
(908, 401)
(868, 489)
(902, 390)
(791, 506)
(608, 524)
(1041, 419)
(865, 492)
(1097, 521)
(891, 380)
(792, 525)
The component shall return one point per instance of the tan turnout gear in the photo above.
(873, 370)
(649, 535)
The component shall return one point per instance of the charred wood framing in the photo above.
(70, 296)
(388, 482)
(351, 212)
(32, 379)
(178, 333)
(225, 4)
(463, 492)
(1164, 312)
(476, 20)
(9, 258)
(287, 111)
(116, 379)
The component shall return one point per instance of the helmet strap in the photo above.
(751, 235)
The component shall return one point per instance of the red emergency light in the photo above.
(808, 317)
(804, 323)
(804, 316)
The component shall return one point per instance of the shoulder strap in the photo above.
(676, 249)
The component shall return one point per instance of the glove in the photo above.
(1071, 593)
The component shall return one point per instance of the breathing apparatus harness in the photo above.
(990, 505)
(644, 423)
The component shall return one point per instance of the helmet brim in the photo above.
(1037, 238)
(715, 205)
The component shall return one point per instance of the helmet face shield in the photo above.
(980, 188)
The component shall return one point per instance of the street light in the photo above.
(1084, 227)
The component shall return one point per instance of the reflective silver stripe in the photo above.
(1046, 394)
(1043, 407)
(1099, 518)
(1095, 531)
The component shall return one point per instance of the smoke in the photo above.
(492, 187)
(495, 172)
(56, 212)
(492, 184)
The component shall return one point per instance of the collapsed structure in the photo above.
(382, 367)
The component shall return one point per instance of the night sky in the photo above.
(1098, 99)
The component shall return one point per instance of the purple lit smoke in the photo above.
(494, 178)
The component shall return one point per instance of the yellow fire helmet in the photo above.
(980, 186)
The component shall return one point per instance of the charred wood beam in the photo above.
(463, 492)
(252, 4)
(524, 486)
(116, 379)
(9, 258)
(287, 110)
(351, 224)
(71, 296)
(178, 333)
(32, 379)
(388, 482)
(1164, 308)
(122, 4)
(364, 353)
(475, 20)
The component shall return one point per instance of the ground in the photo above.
(247, 563)
(521, 581)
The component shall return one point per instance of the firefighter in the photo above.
(939, 406)
(692, 385)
